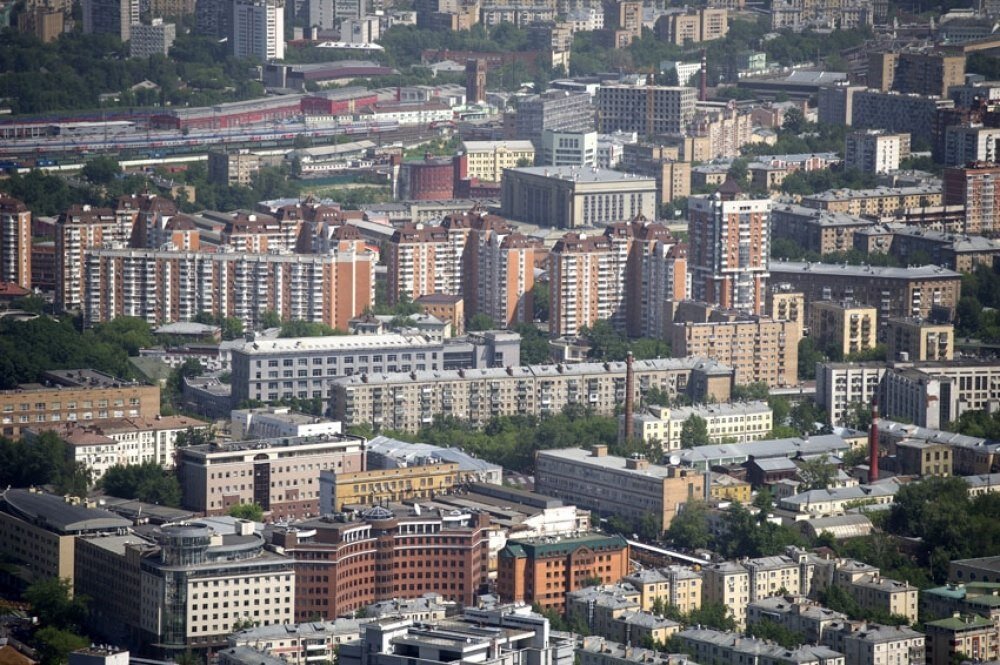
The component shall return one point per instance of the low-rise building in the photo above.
(613, 612)
(271, 422)
(799, 615)
(982, 598)
(714, 647)
(486, 160)
(962, 637)
(874, 644)
(339, 489)
(878, 201)
(741, 421)
(816, 229)
(923, 458)
(300, 643)
(546, 570)
(676, 586)
(613, 485)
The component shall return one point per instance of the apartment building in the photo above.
(896, 112)
(569, 197)
(161, 590)
(99, 445)
(874, 644)
(874, 592)
(963, 599)
(835, 103)
(581, 279)
(15, 242)
(647, 110)
(419, 551)
(923, 458)
(693, 25)
(259, 30)
(75, 395)
(545, 570)
(975, 186)
(39, 531)
(486, 160)
(971, 455)
(784, 304)
(917, 339)
(758, 348)
(80, 229)
(156, 38)
(408, 401)
(841, 387)
(932, 394)
(557, 110)
(799, 15)
(613, 612)
(110, 17)
(914, 291)
(874, 202)
(800, 615)
(714, 647)
(424, 480)
(167, 286)
(233, 168)
(970, 143)
(269, 369)
(746, 421)
(729, 248)
(728, 583)
(737, 584)
(677, 586)
(846, 326)
(595, 650)
(912, 244)
(726, 128)
(816, 229)
(295, 644)
(875, 151)
(925, 73)
(614, 485)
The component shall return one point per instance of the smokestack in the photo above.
(703, 91)
(629, 398)
(873, 443)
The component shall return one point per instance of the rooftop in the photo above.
(781, 268)
(56, 514)
(611, 462)
(335, 343)
(584, 174)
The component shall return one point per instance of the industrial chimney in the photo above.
(703, 88)
(629, 397)
(873, 443)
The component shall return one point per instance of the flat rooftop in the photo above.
(783, 268)
(584, 174)
(336, 343)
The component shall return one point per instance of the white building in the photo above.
(259, 29)
(685, 70)
(486, 160)
(611, 148)
(569, 148)
(300, 643)
(152, 39)
(278, 421)
(842, 386)
(363, 30)
(739, 422)
(875, 151)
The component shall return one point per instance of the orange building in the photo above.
(343, 564)
(977, 187)
(15, 242)
(544, 570)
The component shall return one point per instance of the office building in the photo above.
(419, 551)
(917, 339)
(618, 486)
(569, 148)
(486, 160)
(895, 292)
(362, 31)
(843, 328)
(975, 186)
(295, 644)
(110, 17)
(729, 250)
(233, 168)
(896, 112)
(424, 480)
(271, 422)
(15, 242)
(280, 475)
(160, 591)
(270, 369)
(647, 110)
(407, 402)
(168, 286)
(875, 151)
(156, 38)
(487, 636)
(545, 570)
(258, 29)
(568, 197)
(76, 395)
(557, 110)
(745, 421)
(970, 143)
(39, 531)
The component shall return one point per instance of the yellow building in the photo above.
(919, 339)
(676, 586)
(849, 327)
(384, 485)
(783, 304)
(726, 423)
(727, 488)
(486, 160)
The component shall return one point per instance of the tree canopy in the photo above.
(146, 482)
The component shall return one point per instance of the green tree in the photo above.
(299, 328)
(689, 527)
(809, 355)
(146, 482)
(766, 629)
(55, 645)
(541, 300)
(481, 322)
(817, 473)
(751, 391)
(694, 432)
(270, 319)
(605, 342)
(102, 170)
(247, 511)
(53, 601)
(534, 344)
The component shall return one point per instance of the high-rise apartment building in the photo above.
(580, 283)
(258, 31)
(692, 26)
(729, 252)
(167, 286)
(875, 151)
(110, 17)
(928, 73)
(15, 242)
(977, 187)
(156, 38)
(896, 112)
(232, 168)
(970, 143)
(646, 109)
(78, 230)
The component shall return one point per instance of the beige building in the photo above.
(581, 283)
(816, 229)
(784, 304)
(676, 586)
(79, 229)
(233, 168)
(648, 110)
(923, 458)
(727, 583)
(692, 26)
(409, 401)
(726, 128)
(486, 160)
(614, 612)
(848, 327)
(919, 339)
(726, 423)
(450, 308)
(39, 531)
(281, 475)
(875, 202)
(614, 485)
(873, 644)
(15, 242)
(78, 395)
(737, 584)
(340, 488)
(961, 637)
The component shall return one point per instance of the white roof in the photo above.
(336, 343)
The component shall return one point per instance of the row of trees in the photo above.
(745, 534)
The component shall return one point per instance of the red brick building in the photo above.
(544, 570)
(344, 563)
